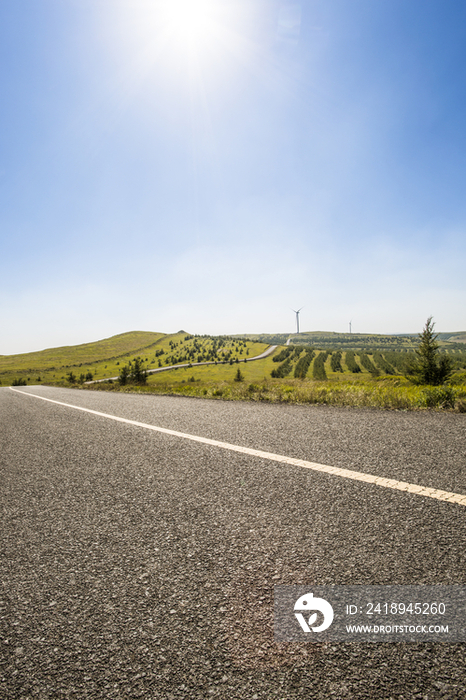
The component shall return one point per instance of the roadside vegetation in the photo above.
(426, 375)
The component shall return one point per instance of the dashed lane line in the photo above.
(416, 489)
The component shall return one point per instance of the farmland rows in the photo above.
(309, 361)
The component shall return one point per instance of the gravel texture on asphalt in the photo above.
(140, 565)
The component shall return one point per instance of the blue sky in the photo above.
(208, 165)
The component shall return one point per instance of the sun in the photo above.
(191, 24)
(174, 41)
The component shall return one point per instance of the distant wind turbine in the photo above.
(350, 325)
(297, 318)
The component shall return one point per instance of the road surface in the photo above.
(141, 564)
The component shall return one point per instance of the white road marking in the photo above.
(437, 494)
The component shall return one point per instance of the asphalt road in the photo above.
(137, 564)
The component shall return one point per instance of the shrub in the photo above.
(430, 367)
(71, 378)
(318, 371)
(282, 355)
(351, 362)
(367, 364)
(124, 375)
(438, 397)
(19, 382)
(282, 370)
(138, 374)
(335, 362)
(381, 362)
(238, 376)
(303, 363)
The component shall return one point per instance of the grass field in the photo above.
(376, 380)
(104, 358)
(53, 364)
(340, 388)
(387, 394)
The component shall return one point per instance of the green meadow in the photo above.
(373, 376)
(364, 389)
(51, 366)
(370, 386)
(105, 358)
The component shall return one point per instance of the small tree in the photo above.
(124, 375)
(430, 367)
(138, 375)
(238, 376)
(71, 378)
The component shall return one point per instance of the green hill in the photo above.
(359, 341)
(459, 337)
(74, 355)
(104, 358)
(51, 363)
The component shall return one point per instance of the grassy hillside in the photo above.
(104, 358)
(336, 366)
(53, 363)
(346, 388)
(297, 374)
(70, 355)
(325, 368)
(453, 337)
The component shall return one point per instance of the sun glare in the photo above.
(191, 23)
(201, 41)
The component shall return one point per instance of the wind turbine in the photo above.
(350, 325)
(297, 318)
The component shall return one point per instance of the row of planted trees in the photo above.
(427, 365)
(206, 349)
